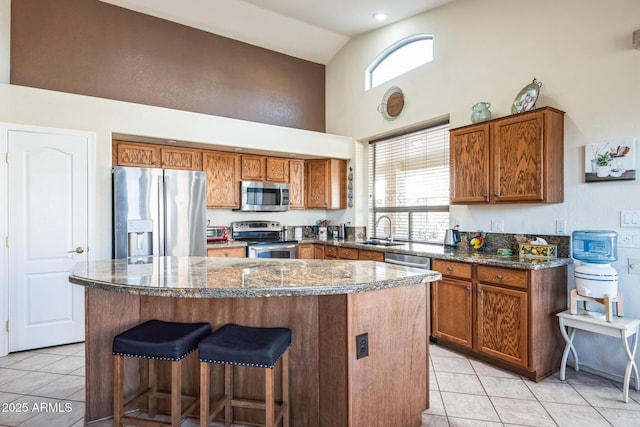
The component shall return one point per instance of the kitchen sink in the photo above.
(380, 243)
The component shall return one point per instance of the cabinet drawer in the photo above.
(502, 276)
(347, 253)
(452, 268)
(366, 255)
(330, 251)
(238, 252)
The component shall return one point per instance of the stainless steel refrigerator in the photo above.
(158, 212)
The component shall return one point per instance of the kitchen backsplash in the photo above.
(493, 241)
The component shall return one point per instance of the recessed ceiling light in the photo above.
(380, 16)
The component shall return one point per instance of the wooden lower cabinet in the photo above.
(452, 311)
(306, 251)
(330, 252)
(504, 316)
(502, 324)
(318, 251)
(366, 255)
(237, 252)
(348, 253)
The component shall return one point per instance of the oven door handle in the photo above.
(276, 246)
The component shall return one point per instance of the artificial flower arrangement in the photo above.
(323, 222)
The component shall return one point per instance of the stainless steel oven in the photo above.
(264, 239)
(273, 250)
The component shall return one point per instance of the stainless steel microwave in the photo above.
(264, 196)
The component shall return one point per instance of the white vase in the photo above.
(322, 233)
(602, 171)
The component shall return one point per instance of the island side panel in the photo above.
(300, 314)
(390, 386)
(333, 360)
(106, 315)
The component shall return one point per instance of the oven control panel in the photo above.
(244, 226)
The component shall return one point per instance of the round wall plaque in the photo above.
(392, 103)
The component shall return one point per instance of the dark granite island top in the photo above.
(202, 277)
(326, 304)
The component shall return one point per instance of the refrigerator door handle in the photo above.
(162, 212)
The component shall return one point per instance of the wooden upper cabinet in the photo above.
(155, 156)
(223, 179)
(518, 158)
(260, 168)
(326, 184)
(135, 154)
(181, 158)
(296, 184)
(469, 164)
(253, 168)
(277, 169)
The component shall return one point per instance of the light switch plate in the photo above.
(629, 218)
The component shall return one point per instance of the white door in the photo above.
(47, 204)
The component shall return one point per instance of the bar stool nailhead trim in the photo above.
(245, 346)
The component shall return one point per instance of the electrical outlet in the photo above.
(362, 346)
(561, 226)
(497, 225)
(628, 239)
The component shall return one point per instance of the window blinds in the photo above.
(409, 182)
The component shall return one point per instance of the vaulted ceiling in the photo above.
(313, 30)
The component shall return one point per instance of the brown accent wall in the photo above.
(92, 48)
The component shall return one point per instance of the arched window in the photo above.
(400, 57)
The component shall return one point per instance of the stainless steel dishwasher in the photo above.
(416, 261)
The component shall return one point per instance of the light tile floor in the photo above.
(45, 387)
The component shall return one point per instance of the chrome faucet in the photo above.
(375, 227)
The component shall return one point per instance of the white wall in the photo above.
(38, 107)
(581, 51)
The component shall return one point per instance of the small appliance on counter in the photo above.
(217, 233)
(595, 279)
(452, 237)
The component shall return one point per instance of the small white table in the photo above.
(621, 327)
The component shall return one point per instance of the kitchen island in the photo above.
(326, 304)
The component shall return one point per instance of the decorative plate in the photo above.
(526, 98)
(392, 103)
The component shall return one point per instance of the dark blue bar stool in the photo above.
(155, 340)
(245, 346)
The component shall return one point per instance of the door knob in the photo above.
(77, 250)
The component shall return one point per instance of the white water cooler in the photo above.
(595, 279)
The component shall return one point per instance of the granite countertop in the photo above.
(453, 254)
(202, 277)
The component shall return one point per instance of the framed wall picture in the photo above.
(610, 161)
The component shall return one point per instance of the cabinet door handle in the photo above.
(499, 276)
(468, 289)
(478, 291)
(449, 268)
